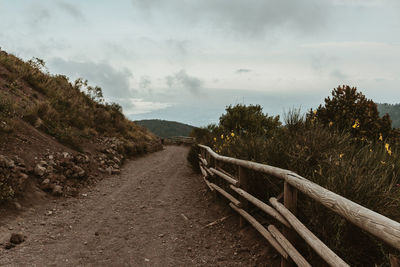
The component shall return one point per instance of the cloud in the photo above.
(37, 15)
(179, 46)
(114, 82)
(339, 75)
(144, 82)
(352, 45)
(71, 10)
(182, 80)
(362, 3)
(251, 17)
(135, 106)
(243, 71)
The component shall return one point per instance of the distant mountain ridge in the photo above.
(394, 112)
(164, 129)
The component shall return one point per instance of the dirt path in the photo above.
(152, 215)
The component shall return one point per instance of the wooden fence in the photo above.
(179, 140)
(366, 219)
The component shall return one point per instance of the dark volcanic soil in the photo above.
(153, 214)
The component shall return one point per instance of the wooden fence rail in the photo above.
(179, 140)
(376, 224)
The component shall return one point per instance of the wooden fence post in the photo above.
(290, 202)
(208, 160)
(243, 183)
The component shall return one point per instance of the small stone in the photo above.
(117, 160)
(40, 170)
(42, 163)
(57, 190)
(96, 233)
(6, 162)
(17, 238)
(38, 123)
(17, 205)
(78, 171)
(146, 260)
(116, 171)
(23, 177)
(161, 235)
(109, 170)
(9, 245)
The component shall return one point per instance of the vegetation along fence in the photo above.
(368, 220)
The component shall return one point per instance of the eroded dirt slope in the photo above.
(153, 214)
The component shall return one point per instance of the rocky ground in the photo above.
(60, 172)
(154, 212)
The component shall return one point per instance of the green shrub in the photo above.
(248, 120)
(349, 110)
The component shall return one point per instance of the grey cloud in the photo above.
(179, 46)
(182, 80)
(37, 15)
(144, 82)
(114, 49)
(322, 63)
(251, 17)
(339, 75)
(243, 70)
(115, 83)
(71, 10)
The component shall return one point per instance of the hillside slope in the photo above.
(163, 128)
(56, 134)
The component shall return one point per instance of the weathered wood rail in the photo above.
(179, 140)
(374, 223)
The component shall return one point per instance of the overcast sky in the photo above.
(185, 60)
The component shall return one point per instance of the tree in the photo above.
(350, 110)
(248, 120)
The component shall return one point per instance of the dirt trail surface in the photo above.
(153, 214)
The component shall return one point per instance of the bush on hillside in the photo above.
(349, 110)
(248, 120)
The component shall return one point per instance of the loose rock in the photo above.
(40, 170)
(17, 238)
